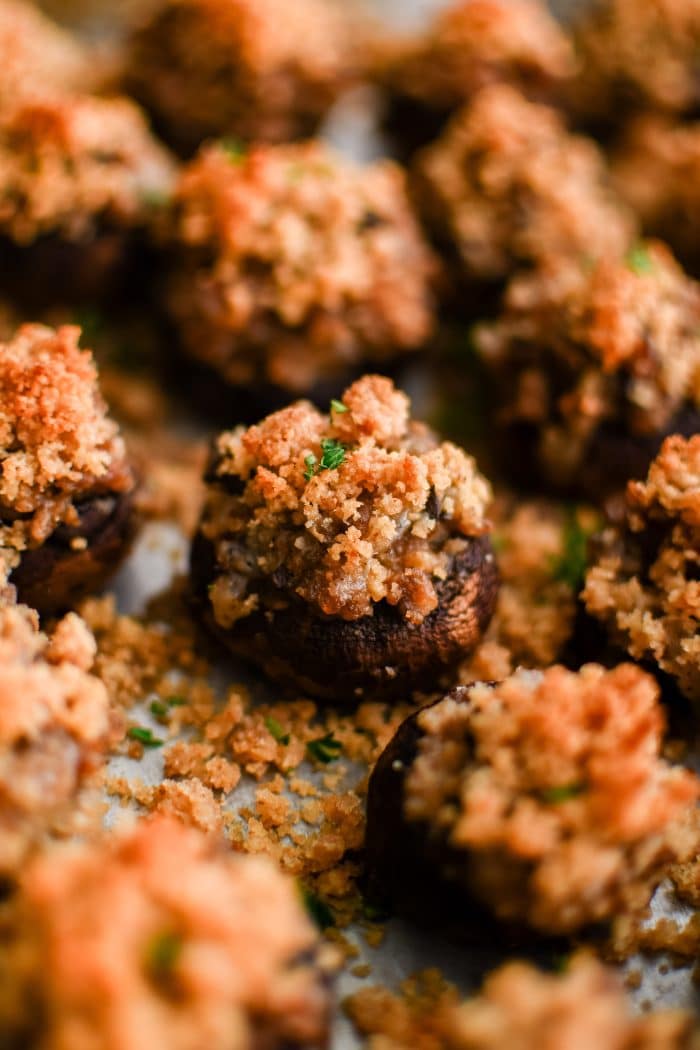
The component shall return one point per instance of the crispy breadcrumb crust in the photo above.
(507, 185)
(290, 264)
(37, 54)
(473, 43)
(382, 525)
(55, 725)
(518, 1006)
(158, 937)
(645, 582)
(57, 443)
(73, 165)
(579, 346)
(656, 170)
(551, 794)
(635, 55)
(261, 70)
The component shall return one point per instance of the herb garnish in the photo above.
(639, 260)
(562, 793)
(570, 567)
(275, 730)
(325, 749)
(233, 148)
(333, 454)
(144, 736)
(162, 954)
(317, 909)
(159, 709)
(338, 407)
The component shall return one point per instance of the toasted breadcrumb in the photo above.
(518, 1006)
(578, 347)
(262, 70)
(382, 524)
(644, 583)
(208, 949)
(565, 811)
(506, 186)
(57, 443)
(73, 165)
(55, 725)
(472, 43)
(290, 264)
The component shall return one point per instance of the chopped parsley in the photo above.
(276, 730)
(233, 148)
(144, 736)
(570, 567)
(325, 749)
(333, 454)
(175, 701)
(639, 260)
(562, 793)
(338, 407)
(317, 909)
(159, 709)
(162, 954)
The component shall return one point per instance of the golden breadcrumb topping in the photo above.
(577, 346)
(552, 787)
(290, 263)
(158, 937)
(506, 185)
(57, 443)
(473, 43)
(645, 583)
(72, 164)
(518, 1006)
(37, 54)
(639, 54)
(352, 508)
(265, 70)
(54, 723)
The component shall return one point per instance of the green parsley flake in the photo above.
(333, 454)
(570, 567)
(276, 730)
(562, 793)
(162, 954)
(233, 148)
(338, 407)
(144, 736)
(317, 909)
(640, 261)
(175, 701)
(310, 462)
(325, 749)
(159, 709)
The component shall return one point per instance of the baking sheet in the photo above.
(162, 552)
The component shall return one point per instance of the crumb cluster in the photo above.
(207, 948)
(551, 795)
(507, 186)
(289, 265)
(643, 584)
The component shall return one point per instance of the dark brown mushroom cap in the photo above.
(378, 655)
(53, 577)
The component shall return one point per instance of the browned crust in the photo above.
(53, 577)
(378, 655)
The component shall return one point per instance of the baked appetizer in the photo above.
(66, 487)
(290, 266)
(79, 176)
(345, 553)
(506, 186)
(592, 366)
(258, 70)
(38, 55)
(636, 55)
(518, 1006)
(543, 800)
(656, 170)
(643, 584)
(469, 45)
(108, 946)
(54, 727)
